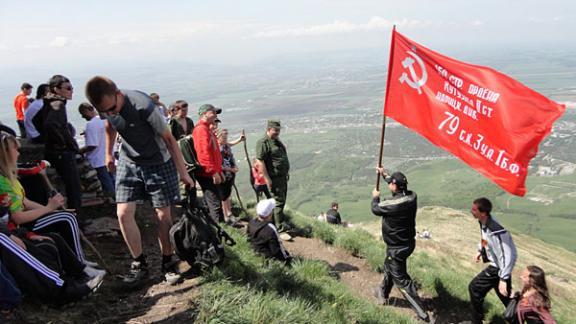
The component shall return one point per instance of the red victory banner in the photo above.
(487, 119)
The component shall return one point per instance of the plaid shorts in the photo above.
(159, 183)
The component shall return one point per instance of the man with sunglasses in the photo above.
(148, 168)
(61, 147)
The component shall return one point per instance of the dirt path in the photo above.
(154, 302)
(351, 271)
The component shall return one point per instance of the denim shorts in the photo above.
(136, 182)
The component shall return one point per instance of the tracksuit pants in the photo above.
(63, 223)
(480, 286)
(395, 273)
(45, 270)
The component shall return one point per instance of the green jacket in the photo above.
(273, 153)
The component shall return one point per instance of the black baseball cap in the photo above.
(397, 178)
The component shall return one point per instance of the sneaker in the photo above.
(170, 271)
(92, 272)
(137, 275)
(285, 237)
(91, 264)
(95, 282)
(382, 300)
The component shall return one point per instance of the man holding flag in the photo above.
(490, 121)
(398, 231)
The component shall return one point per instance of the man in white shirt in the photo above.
(95, 146)
(30, 114)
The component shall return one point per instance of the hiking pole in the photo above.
(249, 167)
(53, 192)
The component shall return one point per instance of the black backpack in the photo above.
(198, 239)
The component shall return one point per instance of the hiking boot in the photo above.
(382, 300)
(137, 275)
(171, 272)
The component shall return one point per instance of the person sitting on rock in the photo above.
(35, 217)
(263, 235)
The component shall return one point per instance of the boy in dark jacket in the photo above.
(263, 234)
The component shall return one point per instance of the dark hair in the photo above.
(98, 87)
(56, 81)
(85, 106)
(41, 91)
(26, 86)
(537, 280)
(484, 205)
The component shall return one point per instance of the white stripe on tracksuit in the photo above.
(31, 260)
(66, 217)
(273, 227)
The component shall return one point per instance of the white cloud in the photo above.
(477, 23)
(339, 27)
(59, 41)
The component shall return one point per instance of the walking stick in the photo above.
(53, 192)
(239, 200)
(249, 168)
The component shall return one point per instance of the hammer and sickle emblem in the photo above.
(413, 81)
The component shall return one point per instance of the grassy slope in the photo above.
(247, 289)
(447, 259)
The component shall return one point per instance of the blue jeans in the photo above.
(106, 179)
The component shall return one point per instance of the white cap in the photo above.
(265, 207)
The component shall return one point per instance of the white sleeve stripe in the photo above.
(31, 260)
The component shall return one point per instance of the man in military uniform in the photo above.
(274, 166)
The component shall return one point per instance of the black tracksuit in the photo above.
(46, 270)
(398, 231)
(61, 148)
(264, 239)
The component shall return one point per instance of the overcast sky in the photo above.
(236, 32)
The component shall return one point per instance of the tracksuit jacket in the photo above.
(499, 246)
(398, 217)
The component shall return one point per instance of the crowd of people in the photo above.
(162, 154)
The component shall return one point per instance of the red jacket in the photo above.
(207, 150)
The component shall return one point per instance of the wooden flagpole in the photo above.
(390, 61)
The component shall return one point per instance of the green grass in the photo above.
(250, 289)
(442, 277)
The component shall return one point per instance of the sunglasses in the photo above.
(69, 88)
(182, 106)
